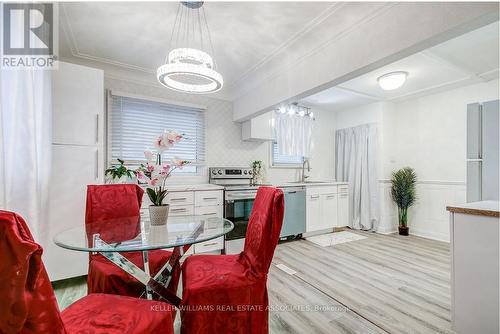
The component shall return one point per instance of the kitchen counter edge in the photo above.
(483, 208)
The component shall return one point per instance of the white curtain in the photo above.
(25, 144)
(356, 161)
(293, 134)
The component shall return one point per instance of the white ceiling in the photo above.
(472, 57)
(135, 35)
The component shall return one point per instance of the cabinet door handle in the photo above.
(314, 196)
(179, 210)
(97, 129)
(96, 170)
(179, 199)
(210, 244)
(209, 213)
(330, 196)
(209, 198)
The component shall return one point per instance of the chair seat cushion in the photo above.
(101, 313)
(106, 277)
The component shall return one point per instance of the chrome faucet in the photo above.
(304, 176)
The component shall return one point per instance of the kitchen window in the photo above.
(135, 123)
(284, 160)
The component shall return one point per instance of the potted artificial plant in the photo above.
(119, 173)
(256, 172)
(403, 193)
(155, 173)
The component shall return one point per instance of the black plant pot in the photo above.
(403, 230)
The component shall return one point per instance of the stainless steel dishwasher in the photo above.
(294, 222)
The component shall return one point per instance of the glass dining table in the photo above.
(112, 237)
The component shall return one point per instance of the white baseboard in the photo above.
(430, 235)
(386, 232)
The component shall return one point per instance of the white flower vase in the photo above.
(158, 214)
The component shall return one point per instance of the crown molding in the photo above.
(75, 51)
(278, 70)
(307, 28)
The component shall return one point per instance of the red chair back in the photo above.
(264, 228)
(28, 303)
(113, 211)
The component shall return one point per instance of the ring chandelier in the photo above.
(188, 68)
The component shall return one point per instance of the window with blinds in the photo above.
(285, 160)
(136, 123)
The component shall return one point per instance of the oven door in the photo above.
(237, 208)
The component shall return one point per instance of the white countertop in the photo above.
(208, 186)
(310, 184)
(191, 187)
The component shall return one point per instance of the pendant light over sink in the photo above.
(189, 67)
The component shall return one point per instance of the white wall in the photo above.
(224, 146)
(428, 134)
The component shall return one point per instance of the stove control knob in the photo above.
(219, 172)
(214, 171)
(250, 172)
(245, 172)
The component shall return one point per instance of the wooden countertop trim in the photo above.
(473, 211)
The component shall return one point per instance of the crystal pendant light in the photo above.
(188, 67)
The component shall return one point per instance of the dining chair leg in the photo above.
(145, 259)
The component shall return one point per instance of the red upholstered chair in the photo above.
(109, 206)
(28, 304)
(228, 293)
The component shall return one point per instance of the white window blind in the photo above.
(284, 160)
(136, 123)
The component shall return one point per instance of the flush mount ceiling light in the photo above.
(393, 80)
(188, 67)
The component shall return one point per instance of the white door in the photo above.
(329, 210)
(73, 167)
(313, 214)
(77, 104)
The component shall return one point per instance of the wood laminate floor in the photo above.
(381, 284)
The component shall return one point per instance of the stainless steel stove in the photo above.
(239, 195)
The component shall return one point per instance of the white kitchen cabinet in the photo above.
(209, 211)
(313, 213)
(77, 160)
(326, 207)
(180, 198)
(67, 205)
(343, 209)
(208, 198)
(474, 249)
(259, 128)
(77, 105)
(329, 210)
(181, 210)
(207, 203)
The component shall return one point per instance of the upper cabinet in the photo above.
(78, 105)
(259, 128)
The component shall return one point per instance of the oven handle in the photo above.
(239, 196)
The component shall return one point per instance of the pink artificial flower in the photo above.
(140, 175)
(178, 138)
(150, 168)
(178, 162)
(153, 182)
(166, 168)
